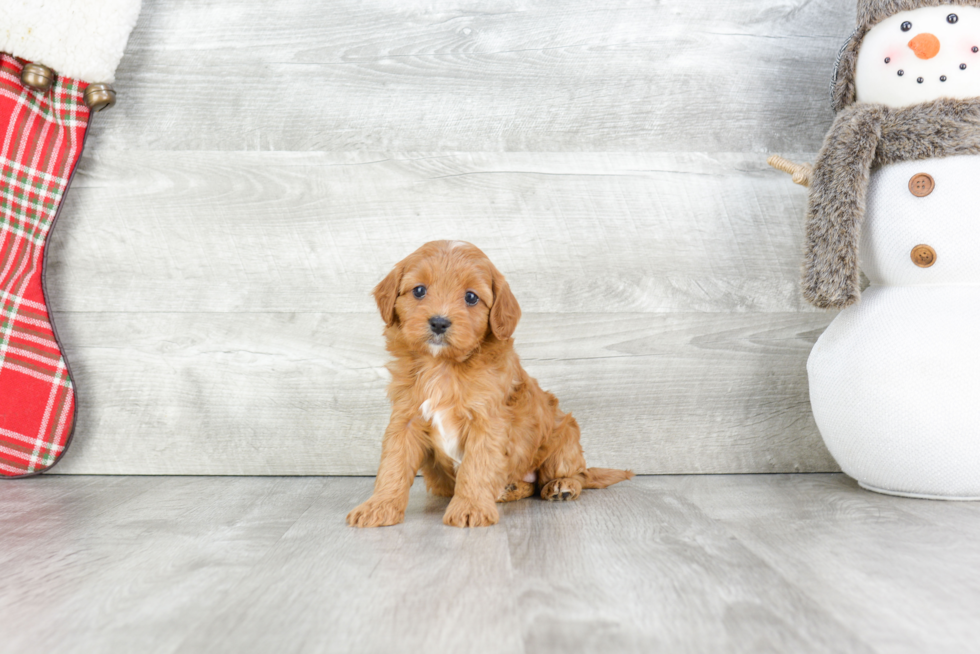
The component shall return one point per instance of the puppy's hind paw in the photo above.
(561, 490)
(461, 513)
(516, 491)
(375, 514)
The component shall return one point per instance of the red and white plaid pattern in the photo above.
(41, 137)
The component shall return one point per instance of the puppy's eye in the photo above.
(906, 26)
(418, 292)
(471, 298)
(952, 18)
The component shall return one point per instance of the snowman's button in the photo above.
(923, 256)
(922, 185)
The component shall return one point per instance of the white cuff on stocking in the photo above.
(81, 39)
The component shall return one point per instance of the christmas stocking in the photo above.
(55, 62)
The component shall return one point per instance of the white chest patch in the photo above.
(448, 440)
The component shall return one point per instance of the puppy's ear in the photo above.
(505, 312)
(386, 292)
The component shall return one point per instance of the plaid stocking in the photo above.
(41, 137)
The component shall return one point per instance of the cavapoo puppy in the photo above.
(463, 409)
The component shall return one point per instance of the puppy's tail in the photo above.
(602, 477)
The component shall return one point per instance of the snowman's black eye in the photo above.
(906, 26)
(952, 18)
(974, 49)
(471, 298)
(418, 292)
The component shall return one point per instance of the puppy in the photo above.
(463, 409)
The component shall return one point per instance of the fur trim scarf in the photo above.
(865, 136)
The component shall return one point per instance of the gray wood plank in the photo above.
(892, 569)
(33, 511)
(803, 563)
(751, 563)
(216, 231)
(553, 578)
(304, 393)
(420, 587)
(639, 568)
(532, 75)
(138, 574)
(266, 165)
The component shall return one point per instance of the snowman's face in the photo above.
(920, 55)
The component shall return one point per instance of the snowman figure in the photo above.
(895, 192)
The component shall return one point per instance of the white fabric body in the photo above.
(948, 220)
(81, 39)
(895, 379)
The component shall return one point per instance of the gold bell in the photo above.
(37, 77)
(99, 96)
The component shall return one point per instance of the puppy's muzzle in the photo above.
(438, 325)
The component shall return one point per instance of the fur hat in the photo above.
(869, 14)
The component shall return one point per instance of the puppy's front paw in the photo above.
(461, 513)
(561, 490)
(375, 514)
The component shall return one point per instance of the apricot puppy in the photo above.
(463, 409)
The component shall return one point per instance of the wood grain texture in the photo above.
(298, 232)
(302, 393)
(520, 75)
(224, 324)
(752, 563)
(267, 164)
(859, 558)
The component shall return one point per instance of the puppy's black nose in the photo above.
(439, 324)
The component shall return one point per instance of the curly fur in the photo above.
(464, 411)
(865, 136)
(869, 14)
(81, 39)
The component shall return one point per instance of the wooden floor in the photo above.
(760, 563)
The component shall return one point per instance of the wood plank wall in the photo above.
(267, 163)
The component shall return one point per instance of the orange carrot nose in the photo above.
(925, 46)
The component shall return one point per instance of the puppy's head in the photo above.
(446, 299)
